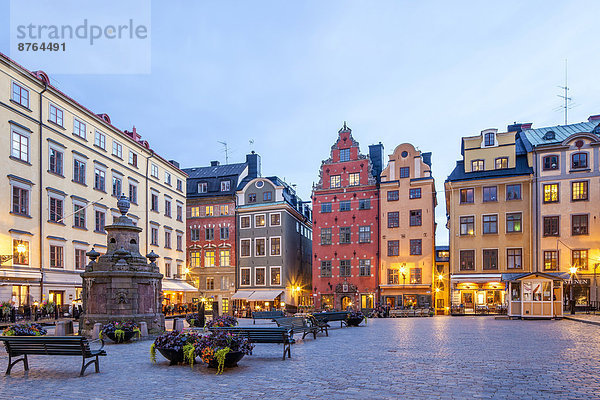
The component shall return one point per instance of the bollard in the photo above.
(59, 328)
(96, 331)
(143, 329)
(69, 327)
(178, 324)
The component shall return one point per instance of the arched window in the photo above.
(579, 160)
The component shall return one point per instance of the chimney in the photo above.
(519, 127)
(214, 163)
(253, 161)
(175, 163)
(376, 156)
(594, 118)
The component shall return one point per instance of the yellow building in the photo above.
(488, 205)
(407, 225)
(64, 168)
(441, 280)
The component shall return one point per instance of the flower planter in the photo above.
(354, 321)
(128, 335)
(174, 356)
(231, 360)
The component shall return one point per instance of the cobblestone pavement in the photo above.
(404, 358)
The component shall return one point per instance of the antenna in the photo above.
(226, 152)
(567, 99)
(251, 143)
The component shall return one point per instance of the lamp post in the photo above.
(572, 271)
(403, 272)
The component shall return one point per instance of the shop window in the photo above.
(515, 291)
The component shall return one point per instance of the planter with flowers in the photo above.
(120, 332)
(196, 320)
(24, 330)
(354, 318)
(175, 346)
(224, 321)
(222, 349)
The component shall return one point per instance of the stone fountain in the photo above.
(121, 285)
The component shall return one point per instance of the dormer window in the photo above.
(202, 187)
(225, 186)
(344, 155)
(501, 162)
(252, 198)
(550, 162)
(550, 135)
(477, 165)
(489, 139)
(579, 160)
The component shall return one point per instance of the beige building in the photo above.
(407, 218)
(64, 168)
(490, 220)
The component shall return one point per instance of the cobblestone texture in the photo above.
(432, 358)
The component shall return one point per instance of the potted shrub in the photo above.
(120, 332)
(176, 347)
(5, 308)
(222, 321)
(24, 330)
(222, 349)
(354, 318)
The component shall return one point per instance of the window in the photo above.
(179, 185)
(56, 209)
(20, 257)
(154, 170)
(194, 212)
(225, 186)
(490, 259)
(167, 178)
(467, 226)
(56, 257)
(579, 190)
(489, 139)
(467, 196)
(194, 234)
(345, 235)
(210, 283)
(195, 258)
(80, 259)
(252, 198)
(393, 219)
(168, 208)
(209, 233)
(154, 236)
(56, 161)
(79, 128)
(579, 224)
(344, 267)
(415, 218)
(100, 218)
(414, 193)
(168, 269)
(345, 205)
(275, 219)
(20, 94)
(325, 235)
(275, 246)
(224, 233)
(467, 260)
(154, 202)
(259, 221)
(260, 276)
(100, 140)
(550, 260)
(513, 222)
(393, 276)
(415, 275)
(579, 160)
(209, 258)
(224, 209)
(579, 259)
(393, 248)
(490, 224)
(513, 192)
(117, 186)
(117, 149)
(20, 200)
(415, 247)
(364, 267)
(202, 187)
(364, 234)
(245, 276)
(551, 193)
(267, 196)
(20, 145)
(501, 162)
(224, 258)
(551, 226)
(275, 276)
(326, 269)
(79, 216)
(167, 239)
(209, 211)
(325, 207)
(79, 171)
(477, 165)
(179, 242)
(245, 222)
(364, 204)
(514, 258)
(490, 193)
(260, 247)
(354, 179)
(393, 195)
(404, 172)
(56, 115)
(133, 193)
(133, 159)
(99, 179)
(335, 181)
(344, 155)
(550, 162)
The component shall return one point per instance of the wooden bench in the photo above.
(267, 315)
(331, 316)
(255, 334)
(298, 324)
(51, 346)
(322, 325)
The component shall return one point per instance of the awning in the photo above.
(177, 286)
(476, 278)
(265, 295)
(242, 294)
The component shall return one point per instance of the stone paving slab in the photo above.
(404, 358)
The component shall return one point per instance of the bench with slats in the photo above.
(256, 334)
(17, 346)
(298, 324)
(331, 316)
(320, 324)
(266, 315)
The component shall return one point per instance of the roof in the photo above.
(215, 171)
(459, 174)
(213, 175)
(535, 137)
(520, 275)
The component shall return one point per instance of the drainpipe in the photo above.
(378, 253)
(146, 196)
(41, 208)
(535, 218)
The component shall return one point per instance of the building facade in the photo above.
(64, 167)
(490, 221)
(346, 209)
(211, 229)
(441, 280)
(407, 229)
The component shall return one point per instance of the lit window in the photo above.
(275, 276)
(579, 259)
(550, 260)
(259, 221)
(224, 258)
(501, 162)
(513, 222)
(209, 258)
(579, 190)
(354, 179)
(551, 193)
(335, 181)
(209, 211)
(477, 165)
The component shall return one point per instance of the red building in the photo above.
(346, 226)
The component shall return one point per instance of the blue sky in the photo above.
(287, 74)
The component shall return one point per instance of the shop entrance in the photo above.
(346, 302)
(57, 296)
(467, 300)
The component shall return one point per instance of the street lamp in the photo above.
(403, 272)
(572, 271)
(21, 249)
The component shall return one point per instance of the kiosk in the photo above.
(534, 295)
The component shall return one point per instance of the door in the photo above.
(467, 300)
(346, 302)
(57, 297)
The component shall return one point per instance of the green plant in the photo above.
(120, 335)
(220, 356)
(153, 353)
(189, 353)
(5, 308)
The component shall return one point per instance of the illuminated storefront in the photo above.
(477, 293)
(534, 295)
